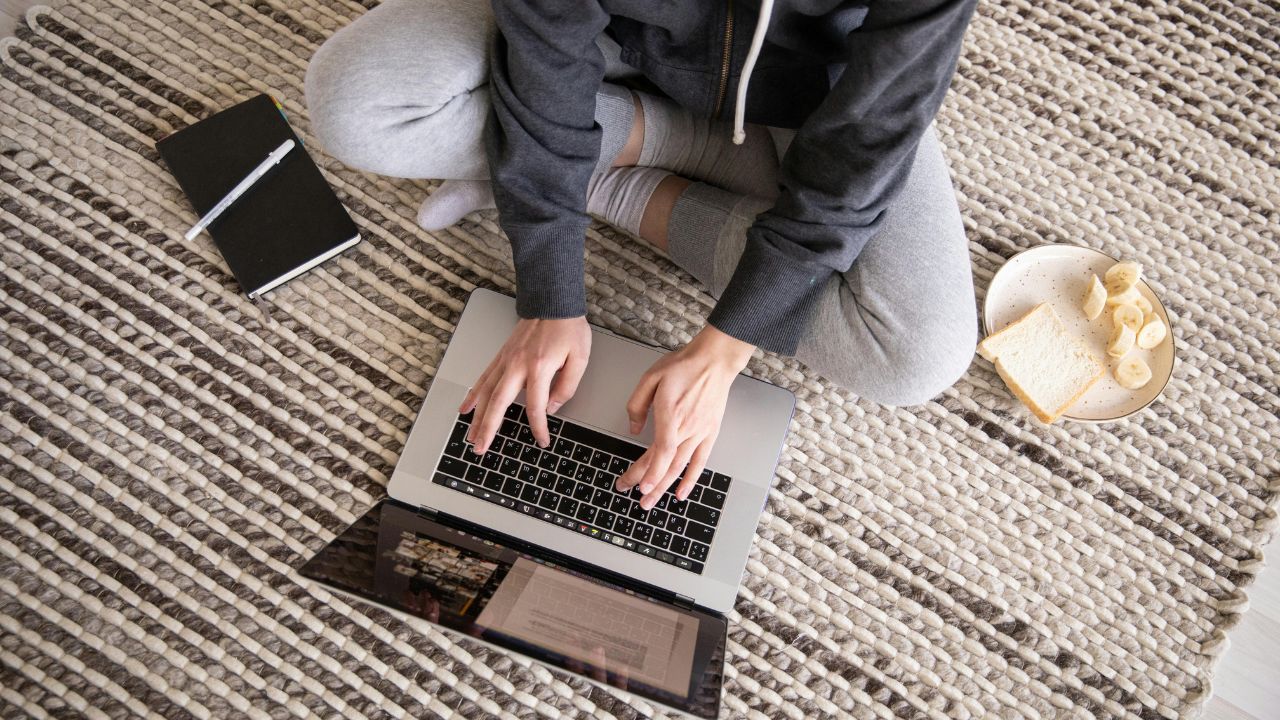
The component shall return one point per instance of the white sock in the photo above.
(452, 201)
(702, 149)
(619, 196)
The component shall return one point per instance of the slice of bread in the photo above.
(1045, 366)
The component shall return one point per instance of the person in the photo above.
(822, 216)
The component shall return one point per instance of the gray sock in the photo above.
(619, 196)
(454, 199)
(706, 221)
(702, 149)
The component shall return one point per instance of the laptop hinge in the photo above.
(683, 602)
(429, 513)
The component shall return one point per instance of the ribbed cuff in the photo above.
(549, 269)
(770, 298)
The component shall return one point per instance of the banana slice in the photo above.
(1121, 342)
(1152, 333)
(1144, 304)
(1124, 297)
(1132, 373)
(1128, 315)
(1095, 299)
(1122, 276)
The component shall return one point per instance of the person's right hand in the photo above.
(546, 359)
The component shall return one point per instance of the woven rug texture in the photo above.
(168, 455)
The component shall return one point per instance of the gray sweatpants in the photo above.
(402, 91)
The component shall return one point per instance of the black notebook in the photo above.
(287, 223)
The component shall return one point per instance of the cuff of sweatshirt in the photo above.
(549, 269)
(770, 297)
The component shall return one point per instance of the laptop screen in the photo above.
(475, 586)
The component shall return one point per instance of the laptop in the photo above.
(534, 550)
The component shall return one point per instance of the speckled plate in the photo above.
(1059, 275)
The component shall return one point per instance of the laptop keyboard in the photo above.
(572, 484)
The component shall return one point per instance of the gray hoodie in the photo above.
(860, 81)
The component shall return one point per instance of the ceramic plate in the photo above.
(1059, 275)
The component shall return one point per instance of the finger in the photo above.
(641, 399)
(697, 463)
(503, 395)
(655, 491)
(632, 476)
(664, 451)
(566, 383)
(535, 405)
(469, 402)
(479, 405)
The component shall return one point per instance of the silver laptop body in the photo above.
(754, 427)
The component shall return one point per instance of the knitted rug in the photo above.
(168, 455)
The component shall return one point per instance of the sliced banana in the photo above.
(1121, 342)
(1125, 297)
(1144, 304)
(1095, 299)
(1132, 373)
(1152, 333)
(1128, 315)
(1122, 276)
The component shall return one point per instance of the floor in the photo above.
(1247, 682)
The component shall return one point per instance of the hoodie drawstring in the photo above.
(757, 41)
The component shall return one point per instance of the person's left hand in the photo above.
(687, 391)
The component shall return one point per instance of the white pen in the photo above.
(275, 157)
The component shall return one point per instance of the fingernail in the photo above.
(543, 444)
(553, 406)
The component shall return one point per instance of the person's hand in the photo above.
(530, 360)
(687, 391)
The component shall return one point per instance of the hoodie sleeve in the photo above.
(542, 143)
(844, 167)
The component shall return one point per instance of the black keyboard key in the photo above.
(617, 465)
(568, 506)
(553, 424)
(491, 461)
(720, 482)
(494, 481)
(548, 461)
(582, 492)
(602, 442)
(531, 494)
(663, 502)
(582, 453)
(643, 532)
(605, 519)
(713, 498)
(586, 513)
(605, 480)
(666, 557)
(638, 513)
(647, 550)
(676, 524)
(703, 514)
(470, 456)
(680, 545)
(585, 474)
(699, 532)
(530, 454)
(526, 473)
(562, 447)
(546, 480)
(620, 504)
(566, 467)
(467, 418)
(512, 487)
(564, 485)
(695, 495)
(511, 448)
(661, 538)
(525, 435)
(601, 498)
(475, 473)
(513, 412)
(600, 461)
(455, 448)
(453, 467)
(509, 466)
(677, 506)
(549, 500)
(658, 518)
(623, 525)
(698, 551)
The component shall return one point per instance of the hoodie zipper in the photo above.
(724, 60)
